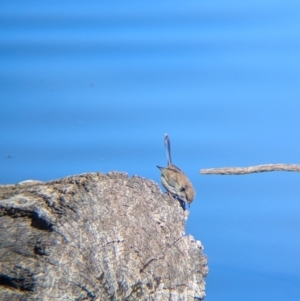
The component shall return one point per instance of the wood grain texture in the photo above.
(250, 169)
(96, 237)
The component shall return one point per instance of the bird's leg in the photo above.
(170, 195)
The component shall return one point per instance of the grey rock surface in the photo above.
(96, 237)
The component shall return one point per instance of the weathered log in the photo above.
(96, 237)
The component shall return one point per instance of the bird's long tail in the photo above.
(168, 149)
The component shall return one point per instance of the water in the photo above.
(94, 86)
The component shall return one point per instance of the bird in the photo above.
(174, 179)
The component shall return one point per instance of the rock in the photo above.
(96, 237)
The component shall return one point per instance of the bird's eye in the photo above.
(182, 189)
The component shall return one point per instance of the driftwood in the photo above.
(250, 169)
(96, 237)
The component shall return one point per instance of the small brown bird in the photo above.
(175, 181)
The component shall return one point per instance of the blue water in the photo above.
(94, 86)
